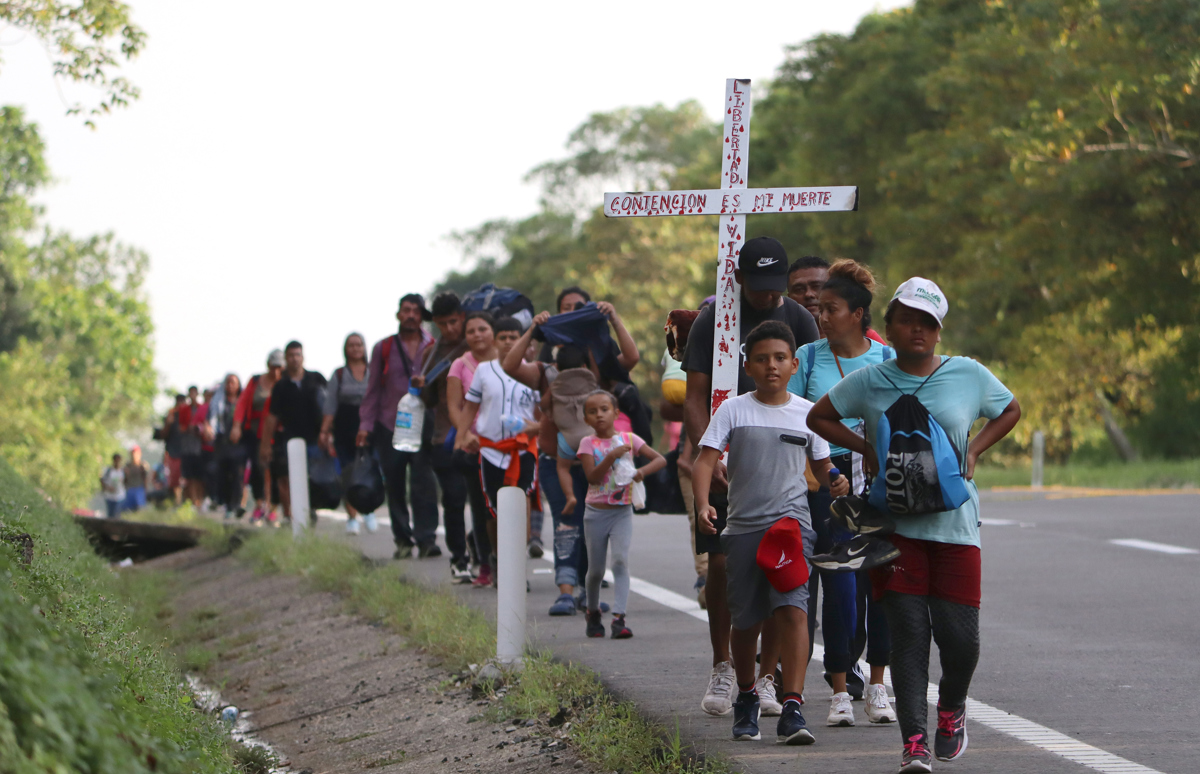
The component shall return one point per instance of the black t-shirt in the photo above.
(299, 407)
(698, 356)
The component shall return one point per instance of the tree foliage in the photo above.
(76, 358)
(86, 39)
(1036, 158)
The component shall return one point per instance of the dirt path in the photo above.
(334, 693)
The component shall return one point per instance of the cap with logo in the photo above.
(275, 358)
(923, 295)
(781, 555)
(764, 264)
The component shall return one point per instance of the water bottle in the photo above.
(410, 420)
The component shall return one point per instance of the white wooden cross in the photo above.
(732, 202)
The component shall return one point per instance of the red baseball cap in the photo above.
(781, 555)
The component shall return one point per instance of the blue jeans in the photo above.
(113, 508)
(570, 549)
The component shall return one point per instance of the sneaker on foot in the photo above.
(858, 553)
(950, 741)
(403, 551)
(370, 522)
(535, 548)
(858, 517)
(879, 708)
(916, 755)
(619, 630)
(791, 728)
(718, 698)
(484, 578)
(595, 627)
(460, 570)
(745, 717)
(564, 605)
(841, 713)
(768, 705)
(855, 684)
(351, 526)
(428, 550)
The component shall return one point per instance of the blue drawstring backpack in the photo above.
(919, 469)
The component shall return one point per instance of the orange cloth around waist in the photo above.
(512, 447)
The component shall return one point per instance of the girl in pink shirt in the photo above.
(608, 512)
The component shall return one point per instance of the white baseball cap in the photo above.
(924, 295)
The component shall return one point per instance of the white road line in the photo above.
(1027, 731)
(1146, 545)
(997, 522)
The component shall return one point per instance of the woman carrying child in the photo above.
(608, 507)
(933, 586)
(844, 309)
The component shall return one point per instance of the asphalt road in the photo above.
(1082, 636)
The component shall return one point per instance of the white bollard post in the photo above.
(297, 454)
(1039, 459)
(510, 576)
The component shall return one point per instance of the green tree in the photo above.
(86, 40)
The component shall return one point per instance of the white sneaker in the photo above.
(767, 703)
(370, 522)
(879, 707)
(352, 526)
(841, 713)
(718, 699)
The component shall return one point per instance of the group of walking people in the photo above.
(794, 488)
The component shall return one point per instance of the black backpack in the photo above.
(920, 470)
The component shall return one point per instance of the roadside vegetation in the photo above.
(607, 732)
(1142, 474)
(84, 686)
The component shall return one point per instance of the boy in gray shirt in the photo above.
(769, 444)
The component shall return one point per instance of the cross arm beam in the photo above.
(745, 201)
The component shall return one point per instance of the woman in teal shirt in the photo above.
(932, 589)
(845, 318)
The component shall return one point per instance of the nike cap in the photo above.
(781, 555)
(923, 295)
(764, 264)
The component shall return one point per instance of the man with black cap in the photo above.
(394, 361)
(762, 272)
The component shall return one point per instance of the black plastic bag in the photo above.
(324, 483)
(364, 483)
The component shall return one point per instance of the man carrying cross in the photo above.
(762, 274)
(713, 360)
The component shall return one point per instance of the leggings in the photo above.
(608, 528)
(955, 629)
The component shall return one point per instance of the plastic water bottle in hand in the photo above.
(410, 420)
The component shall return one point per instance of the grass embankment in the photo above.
(83, 685)
(607, 732)
(1143, 474)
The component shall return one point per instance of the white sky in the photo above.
(294, 168)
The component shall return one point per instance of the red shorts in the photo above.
(928, 569)
(174, 468)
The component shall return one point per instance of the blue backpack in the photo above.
(501, 302)
(919, 469)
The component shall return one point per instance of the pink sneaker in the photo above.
(484, 579)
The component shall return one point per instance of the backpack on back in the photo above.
(920, 470)
(500, 302)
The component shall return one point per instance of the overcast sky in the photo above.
(292, 168)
